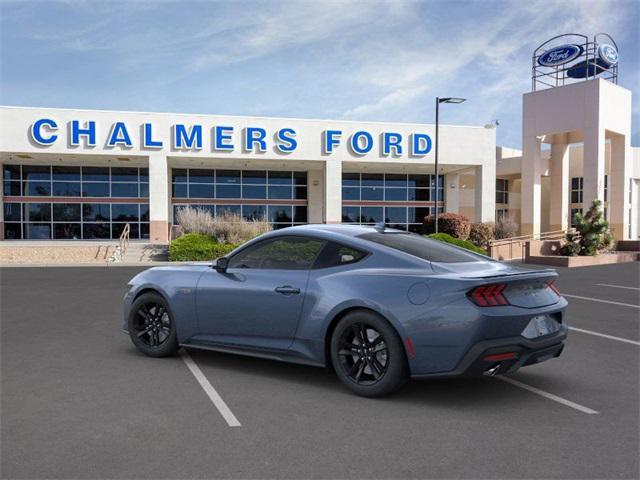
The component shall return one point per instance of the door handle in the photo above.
(287, 290)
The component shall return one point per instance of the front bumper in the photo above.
(528, 352)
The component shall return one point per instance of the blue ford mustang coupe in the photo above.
(376, 305)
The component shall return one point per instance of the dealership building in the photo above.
(85, 174)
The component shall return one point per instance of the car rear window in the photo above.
(422, 247)
(335, 254)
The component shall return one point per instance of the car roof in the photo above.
(348, 230)
(334, 231)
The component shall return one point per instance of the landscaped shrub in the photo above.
(453, 224)
(197, 247)
(225, 228)
(481, 234)
(592, 233)
(505, 228)
(232, 228)
(195, 220)
(443, 237)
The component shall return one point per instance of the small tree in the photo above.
(592, 233)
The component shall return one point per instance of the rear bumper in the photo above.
(528, 352)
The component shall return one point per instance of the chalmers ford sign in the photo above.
(220, 138)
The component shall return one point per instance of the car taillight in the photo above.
(552, 286)
(488, 295)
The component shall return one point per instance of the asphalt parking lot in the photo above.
(78, 401)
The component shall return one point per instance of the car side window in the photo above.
(335, 254)
(285, 253)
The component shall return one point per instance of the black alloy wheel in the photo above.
(151, 326)
(363, 354)
(368, 355)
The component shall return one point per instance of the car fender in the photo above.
(368, 304)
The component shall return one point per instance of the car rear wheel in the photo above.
(151, 326)
(367, 355)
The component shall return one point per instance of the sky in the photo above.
(345, 60)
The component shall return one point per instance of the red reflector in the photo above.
(500, 356)
(410, 349)
(552, 286)
(489, 295)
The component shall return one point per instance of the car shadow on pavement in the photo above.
(454, 393)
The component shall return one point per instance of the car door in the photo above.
(258, 300)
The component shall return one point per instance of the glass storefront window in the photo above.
(68, 231)
(197, 190)
(37, 231)
(392, 191)
(280, 213)
(95, 174)
(12, 212)
(66, 189)
(12, 188)
(66, 174)
(66, 212)
(254, 191)
(37, 189)
(124, 212)
(371, 214)
(96, 212)
(91, 231)
(280, 192)
(11, 172)
(73, 219)
(228, 209)
(12, 231)
(36, 172)
(274, 187)
(129, 190)
(95, 189)
(254, 212)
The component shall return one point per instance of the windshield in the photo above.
(423, 247)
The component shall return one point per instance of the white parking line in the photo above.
(548, 395)
(610, 337)
(217, 400)
(601, 301)
(616, 286)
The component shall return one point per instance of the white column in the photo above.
(619, 186)
(559, 201)
(485, 192)
(159, 199)
(593, 166)
(531, 173)
(452, 192)
(315, 196)
(332, 197)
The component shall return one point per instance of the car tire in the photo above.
(151, 326)
(374, 367)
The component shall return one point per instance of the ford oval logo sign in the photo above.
(560, 55)
(608, 54)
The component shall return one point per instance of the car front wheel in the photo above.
(151, 326)
(368, 355)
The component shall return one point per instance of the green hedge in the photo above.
(197, 247)
(443, 237)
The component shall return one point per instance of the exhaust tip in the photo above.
(493, 371)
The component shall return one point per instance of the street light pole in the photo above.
(436, 153)
(438, 102)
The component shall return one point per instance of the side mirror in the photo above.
(221, 264)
